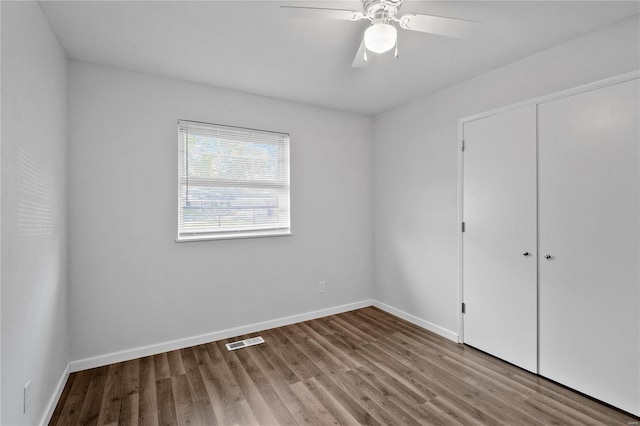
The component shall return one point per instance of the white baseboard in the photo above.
(417, 321)
(120, 356)
(53, 401)
(115, 357)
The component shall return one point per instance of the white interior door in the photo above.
(589, 225)
(499, 243)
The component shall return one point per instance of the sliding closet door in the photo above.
(589, 234)
(499, 242)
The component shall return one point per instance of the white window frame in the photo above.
(281, 183)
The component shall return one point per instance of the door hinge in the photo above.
(463, 227)
(462, 146)
(464, 308)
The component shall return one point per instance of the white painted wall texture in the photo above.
(133, 285)
(415, 165)
(35, 340)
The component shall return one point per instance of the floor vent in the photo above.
(244, 343)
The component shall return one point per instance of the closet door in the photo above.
(499, 242)
(589, 234)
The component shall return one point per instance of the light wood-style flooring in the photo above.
(359, 367)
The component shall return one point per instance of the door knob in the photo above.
(526, 253)
(547, 256)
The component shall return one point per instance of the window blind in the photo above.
(233, 182)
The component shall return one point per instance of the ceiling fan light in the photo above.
(380, 37)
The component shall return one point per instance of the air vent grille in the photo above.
(244, 343)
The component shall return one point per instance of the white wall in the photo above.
(415, 166)
(132, 284)
(35, 343)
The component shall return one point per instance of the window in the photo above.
(233, 182)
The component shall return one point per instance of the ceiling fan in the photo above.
(381, 35)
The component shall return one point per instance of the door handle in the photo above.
(547, 256)
(526, 253)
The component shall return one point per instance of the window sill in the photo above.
(230, 236)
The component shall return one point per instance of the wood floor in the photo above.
(359, 367)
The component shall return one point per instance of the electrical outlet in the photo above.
(26, 397)
(321, 286)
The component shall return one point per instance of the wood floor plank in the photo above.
(445, 406)
(161, 364)
(341, 341)
(522, 382)
(425, 385)
(256, 401)
(358, 333)
(92, 403)
(403, 399)
(110, 404)
(359, 367)
(147, 399)
(409, 342)
(364, 400)
(197, 389)
(338, 336)
(219, 379)
(280, 381)
(399, 372)
(176, 367)
(300, 363)
(166, 403)
(348, 401)
(320, 416)
(187, 411)
(325, 343)
(329, 402)
(280, 367)
(130, 393)
(469, 376)
(324, 360)
(70, 411)
(438, 375)
(515, 379)
(382, 400)
(220, 394)
(417, 396)
(259, 377)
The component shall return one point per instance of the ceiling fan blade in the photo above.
(440, 25)
(359, 61)
(316, 12)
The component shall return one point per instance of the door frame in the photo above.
(460, 143)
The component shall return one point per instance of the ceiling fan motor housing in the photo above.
(380, 10)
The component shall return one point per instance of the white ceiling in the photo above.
(248, 46)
